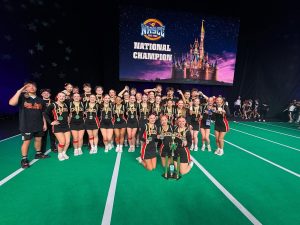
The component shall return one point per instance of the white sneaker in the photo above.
(65, 155)
(106, 148)
(209, 148)
(139, 159)
(118, 148)
(130, 149)
(192, 147)
(76, 152)
(110, 146)
(196, 148)
(221, 152)
(217, 151)
(60, 157)
(92, 150)
(80, 151)
(95, 149)
(121, 148)
(133, 149)
(203, 147)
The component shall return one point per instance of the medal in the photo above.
(106, 117)
(145, 117)
(118, 119)
(149, 138)
(91, 117)
(60, 118)
(77, 117)
(132, 116)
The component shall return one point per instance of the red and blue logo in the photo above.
(153, 29)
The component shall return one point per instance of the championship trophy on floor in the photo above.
(170, 171)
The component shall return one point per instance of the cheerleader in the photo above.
(157, 90)
(87, 92)
(183, 139)
(92, 123)
(99, 94)
(59, 111)
(186, 97)
(180, 110)
(165, 134)
(77, 123)
(46, 94)
(148, 135)
(169, 112)
(206, 117)
(157, 110)
(119, 123)
(151, 98)
(75, 90)
(143, 110)
(112, 94)
(132, 122)
(195, 114)
(138, 97)
(68, 92)
(106, 124)
(221, 124)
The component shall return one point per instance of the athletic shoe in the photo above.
(121, 148)
(65, 155)
(95, 149)
(76, 152)
(60, 157)
(41, 156)
(139, 159)
(133, 149)
(209, 148)
(92, 150)
(106, 148)
(203, 148)
(192, 147)
(80, 151)
(110, 146)
(217, 151)
(221, 152)
(118, 148)
(196, 148)
(130, 149)
(25, 163)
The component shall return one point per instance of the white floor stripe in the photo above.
(227, 194)
(289, 128)
(277, 132)
(265, 139)
(9, 138)
(111, 193)
(9, 177)
(262, 158)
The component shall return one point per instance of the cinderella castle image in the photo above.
(195, 65)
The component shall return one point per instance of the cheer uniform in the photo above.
(148, 150)
(206, 117)
(51, 134)
(91, 121)
(132, 115)
(106, 116)
(144, 110)
(195, 113)
(119, 118)
(182, 151)
(221, 123)
(169, 112)
(157, 111)
(164, 149)
(60, 114)
(77, 115)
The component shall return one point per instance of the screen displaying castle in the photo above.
(176, 47)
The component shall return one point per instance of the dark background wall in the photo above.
(53, 42)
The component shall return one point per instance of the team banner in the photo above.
(176, 47)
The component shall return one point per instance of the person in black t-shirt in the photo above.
(46, 94)
(31, 119)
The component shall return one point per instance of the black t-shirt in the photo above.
(31, 114)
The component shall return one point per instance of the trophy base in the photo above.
(174, 176)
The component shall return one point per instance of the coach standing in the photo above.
(31, 120)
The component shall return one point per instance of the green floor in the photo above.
(75, 191)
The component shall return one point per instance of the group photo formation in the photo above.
(131, 113)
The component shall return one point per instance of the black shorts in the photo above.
(203, 125)
(184, 153)
(222, 127)
(60, 128)
(195, 125)
(148, 151)
(77, 126)
(165, 151)
(132, 123)
(106, 124)
(29, 136)
(120, 125)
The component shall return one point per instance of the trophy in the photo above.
(170, 171)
